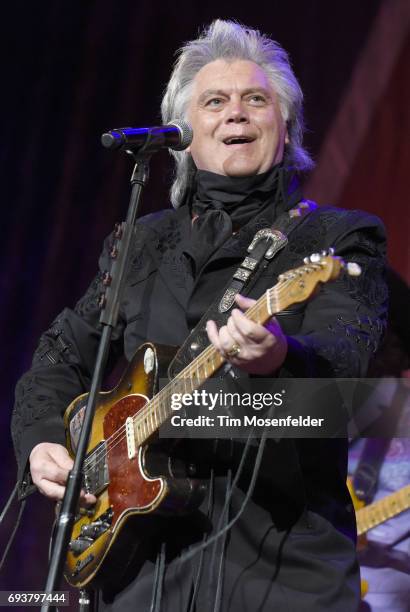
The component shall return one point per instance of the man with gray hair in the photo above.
(291, 541)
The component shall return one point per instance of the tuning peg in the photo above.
(315, 257)
(329, 252)
(353, 269)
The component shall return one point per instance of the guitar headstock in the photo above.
(298, 284)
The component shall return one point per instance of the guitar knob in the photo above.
(80, 545)
(93, 530)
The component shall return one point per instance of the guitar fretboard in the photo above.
(383, 509)
(148, 420)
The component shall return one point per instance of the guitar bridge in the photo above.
(96, 476)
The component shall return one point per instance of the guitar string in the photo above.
(272, 295)
(145, 411)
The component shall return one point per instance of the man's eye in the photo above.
(214, 102)
(257, 99)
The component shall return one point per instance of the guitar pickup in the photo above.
(79, 545)
(130, 435)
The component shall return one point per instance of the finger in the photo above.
(61, 457)
(276, 332)
(52, 454)
(247, 328)
(56, 491)
(244, 302)
(213, 335)
(51, 489)
(234, 332)
(49, 470)
(227, 341)
(87, 499)
(273, 326)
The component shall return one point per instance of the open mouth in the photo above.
(238, 140)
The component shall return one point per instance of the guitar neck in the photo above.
(382, 510)
(159, 409)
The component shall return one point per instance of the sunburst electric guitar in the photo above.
(122, 469)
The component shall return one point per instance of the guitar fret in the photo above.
(140, 438)
(391, 506)
(149, 420)
(192, 379)
(141, 430)
(204, 366)
(162, 411)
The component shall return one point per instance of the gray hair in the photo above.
(229, 40)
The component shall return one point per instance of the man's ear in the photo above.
(287, 139)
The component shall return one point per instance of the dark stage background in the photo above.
(72, 70)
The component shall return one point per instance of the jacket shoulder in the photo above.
(350, 218)
(156, 219)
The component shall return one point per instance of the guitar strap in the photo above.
(265, 245)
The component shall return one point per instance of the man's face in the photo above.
(235, 116)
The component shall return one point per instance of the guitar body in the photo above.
(128, 489)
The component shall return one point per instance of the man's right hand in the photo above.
(49, 467)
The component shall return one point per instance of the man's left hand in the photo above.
(255, 348)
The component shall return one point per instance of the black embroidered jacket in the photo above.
(334, 334)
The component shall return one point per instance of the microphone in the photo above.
(176, 135)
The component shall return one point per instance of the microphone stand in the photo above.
(109, 304)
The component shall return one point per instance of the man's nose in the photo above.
(237, 112)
